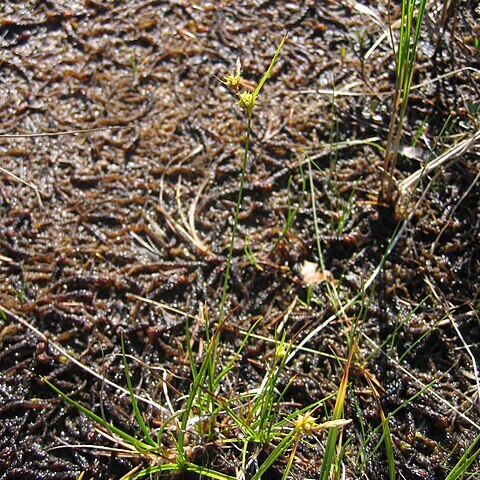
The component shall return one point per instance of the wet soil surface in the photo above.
(102, 232)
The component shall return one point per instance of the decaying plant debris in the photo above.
(101, 232)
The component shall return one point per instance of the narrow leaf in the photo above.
(329, 457)
(125, 436)
(138, 415)
(269, 70)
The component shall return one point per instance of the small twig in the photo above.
(28, 184)
(58, 134)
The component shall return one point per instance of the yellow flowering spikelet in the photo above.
(232, 80)
(246, 101)
(306, 424)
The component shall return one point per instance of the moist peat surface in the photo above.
(123, 228)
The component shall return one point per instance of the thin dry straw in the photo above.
(450, 155)
(58, 134)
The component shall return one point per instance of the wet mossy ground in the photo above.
(108, 226)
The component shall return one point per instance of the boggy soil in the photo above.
(103, 232)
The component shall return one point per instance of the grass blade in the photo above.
(207, 472)
(138, 414)
(280, 449)
(466, 460)
(266, 75)
(388, 445)
(97, 419)
(329, 458)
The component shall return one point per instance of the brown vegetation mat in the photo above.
(92, 224)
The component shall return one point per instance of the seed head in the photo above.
(246, 101)
(306, 424)
(281, 351)
(232, 80)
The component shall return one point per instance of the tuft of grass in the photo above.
(256, 416)
(139, 446)
(410, 28)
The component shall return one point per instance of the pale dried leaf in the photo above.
(312, 276)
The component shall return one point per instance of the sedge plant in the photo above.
(207, 376)
(256, 414)
(410, 29)
(246, 101)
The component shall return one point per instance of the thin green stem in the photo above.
(331, 288)
(133, 400)
(315, 221)
(235, 221)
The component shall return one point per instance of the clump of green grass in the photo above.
(255, 416)
(410, 29)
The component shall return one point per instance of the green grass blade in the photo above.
(420, 339)
(207, 472)
(329, 457)
(231, 363)
(390, 415)
(280, 449)
(197, 385)
(388, 446)
(330, 287)
(191, 467)
(269, 70)
(291, 457)
(138, 414)
(165, 467)
(466, 460)
(191, 359)
(291, 212)
(97, 419)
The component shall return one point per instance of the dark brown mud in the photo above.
(95, 226)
